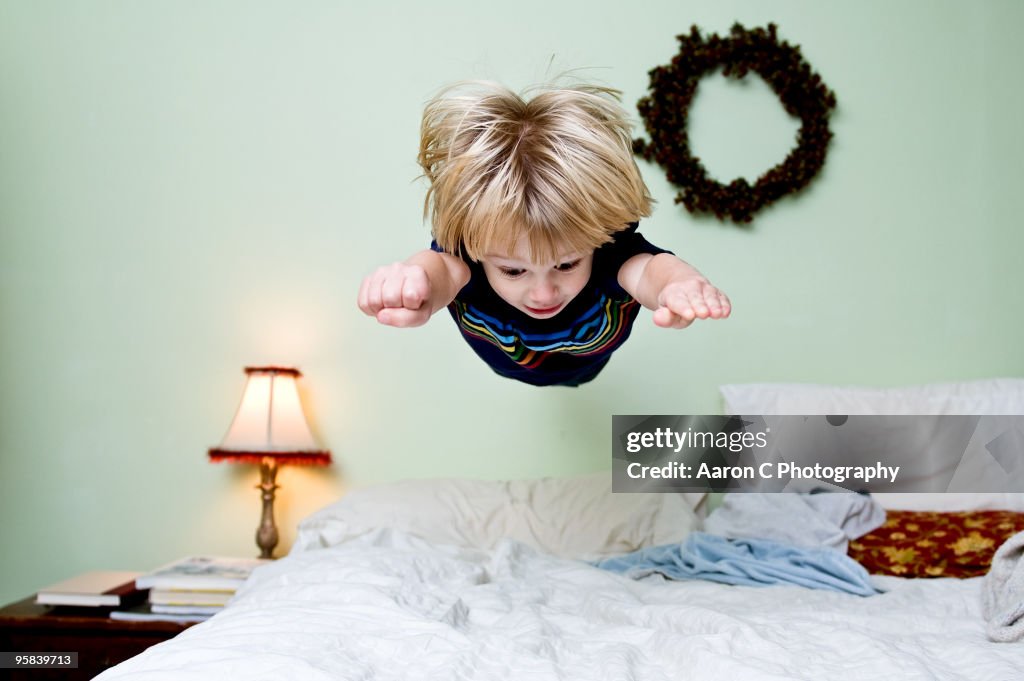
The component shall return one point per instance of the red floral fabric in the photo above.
(934, 544)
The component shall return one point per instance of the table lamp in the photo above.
(270, 429)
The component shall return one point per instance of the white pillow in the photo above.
(1000, 396)
(951, 501)
(576, 517)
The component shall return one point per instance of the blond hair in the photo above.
(557, 169)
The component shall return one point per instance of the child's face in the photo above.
(540, 290)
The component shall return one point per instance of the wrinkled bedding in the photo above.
(391, 606)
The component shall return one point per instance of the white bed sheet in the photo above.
(392, 606)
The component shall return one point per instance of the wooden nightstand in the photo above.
(99, 641)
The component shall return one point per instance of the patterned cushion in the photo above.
(934, 544)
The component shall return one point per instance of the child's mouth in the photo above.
(540, 312)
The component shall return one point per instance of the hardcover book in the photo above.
(144, 613)
(91, 589)
(197, 573)
(180, 597)
(184, 609)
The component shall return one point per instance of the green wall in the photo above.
(187, 188)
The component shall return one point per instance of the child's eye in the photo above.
(569, 266)
(511, 272)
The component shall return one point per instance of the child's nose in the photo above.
(544, 294)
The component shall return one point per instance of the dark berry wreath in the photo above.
(665, 112)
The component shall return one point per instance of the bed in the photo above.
(460, 579)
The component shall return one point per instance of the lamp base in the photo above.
(266, 533)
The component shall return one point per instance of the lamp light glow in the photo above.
(270, 429)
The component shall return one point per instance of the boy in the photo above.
(534, 206)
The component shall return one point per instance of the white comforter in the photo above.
(390, 606)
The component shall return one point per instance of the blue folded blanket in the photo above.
(749, 562)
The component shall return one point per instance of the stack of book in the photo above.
(190, 589)
(98, 589)
(189, 601)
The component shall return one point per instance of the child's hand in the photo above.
(397, 295)
(682, 301)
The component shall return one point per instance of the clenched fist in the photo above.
(397, 295)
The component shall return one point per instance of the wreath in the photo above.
(666, 109)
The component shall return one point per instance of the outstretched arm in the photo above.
(408, 293)
(676, 292)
